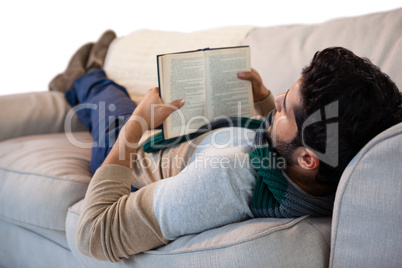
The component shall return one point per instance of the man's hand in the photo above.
(152, 111)
(259, 90)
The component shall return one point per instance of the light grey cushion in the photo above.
(279, 53)
(35, 113)
(300, 242)
(23, 247)
(40, 177)
(367, 220)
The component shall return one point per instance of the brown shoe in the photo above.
(75, 68)
(98, 53)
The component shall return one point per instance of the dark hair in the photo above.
(368, 102)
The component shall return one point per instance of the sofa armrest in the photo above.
(366, 224)
(34, 113)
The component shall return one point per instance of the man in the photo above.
(340, 103)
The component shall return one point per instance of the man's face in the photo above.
(283, 127)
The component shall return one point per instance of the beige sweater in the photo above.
(116, 223)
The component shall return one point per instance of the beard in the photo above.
(283, 149)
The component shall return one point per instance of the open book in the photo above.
(207, 81)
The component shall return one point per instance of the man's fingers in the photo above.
(245, 75)
(178, 103)
(173, 106)
(252, 76)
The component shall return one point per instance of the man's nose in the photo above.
(279, 102)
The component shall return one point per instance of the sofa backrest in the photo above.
(279, 53)
(131, 59)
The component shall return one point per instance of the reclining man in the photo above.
(289, 167)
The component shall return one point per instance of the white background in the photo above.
(39, 37)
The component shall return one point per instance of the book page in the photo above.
(227, 94)
(184, 78)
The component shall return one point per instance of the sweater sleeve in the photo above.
(265, 106)
(115, 224)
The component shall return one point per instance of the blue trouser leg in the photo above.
(103, 107)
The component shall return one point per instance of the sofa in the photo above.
(44, 162)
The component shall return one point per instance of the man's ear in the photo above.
(307, 159)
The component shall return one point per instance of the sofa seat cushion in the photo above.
(260, 242)
(41, 176)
